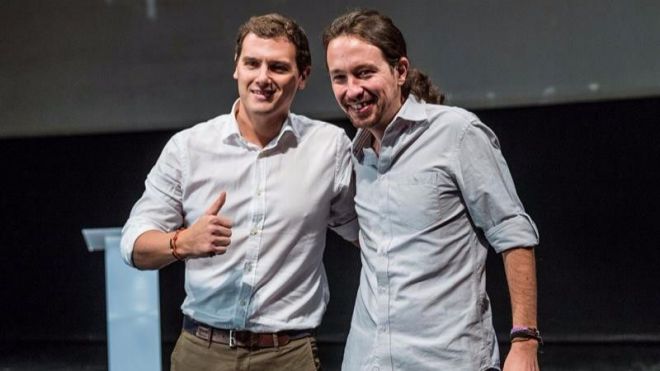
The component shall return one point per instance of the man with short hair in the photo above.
(433, 192)
(245, 200)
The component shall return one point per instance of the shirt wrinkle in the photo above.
(421, 303)
(281, 200)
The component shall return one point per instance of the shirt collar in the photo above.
(231, 134)
(411, 113)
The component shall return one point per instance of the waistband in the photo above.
(242, 338)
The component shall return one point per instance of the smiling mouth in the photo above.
(263, 94)
(360, 107)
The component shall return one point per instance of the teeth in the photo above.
(358, 106)
(262, 92)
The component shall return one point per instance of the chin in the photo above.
(361, 122)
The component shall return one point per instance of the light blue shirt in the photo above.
(281, 199)
(429, 206)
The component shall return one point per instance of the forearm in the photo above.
(152, 250)
(520, 268)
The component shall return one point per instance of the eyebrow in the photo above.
(270, 62)
(279, 63)
(355, 68)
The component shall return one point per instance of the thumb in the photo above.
(217, 204)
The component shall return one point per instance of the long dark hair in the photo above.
(379, 30)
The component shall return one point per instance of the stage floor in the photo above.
(554, 357)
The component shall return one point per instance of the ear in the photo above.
(402, 70)
(235, 75)
(303, 78)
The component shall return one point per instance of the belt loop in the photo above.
(232, 339)
(276, 341)
(210, 338)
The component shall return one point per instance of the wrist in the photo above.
(525, 345)
(521, 334)
(175, 245)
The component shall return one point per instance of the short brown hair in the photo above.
(275, 25)
(379, 31)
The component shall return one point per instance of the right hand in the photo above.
(209, 235)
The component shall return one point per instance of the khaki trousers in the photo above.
(194, 354)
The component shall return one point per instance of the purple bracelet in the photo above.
(525, 333)
(518, 328)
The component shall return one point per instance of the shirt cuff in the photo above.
(519, 231)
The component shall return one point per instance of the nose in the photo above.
(354, 89)
(262, 75)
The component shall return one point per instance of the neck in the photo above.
(258, 129)
(378, 131)
(377, 134)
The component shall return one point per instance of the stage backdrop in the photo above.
(587, 174)
(97, 66)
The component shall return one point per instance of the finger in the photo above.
(221, 221)
(219, 250)
(224, 221)
(217, 204)
(222, 242)
(222, 231)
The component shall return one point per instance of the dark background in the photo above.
(91, 91)
(587, 173)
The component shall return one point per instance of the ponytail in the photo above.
(420, 85)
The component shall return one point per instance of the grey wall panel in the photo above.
(81, 66)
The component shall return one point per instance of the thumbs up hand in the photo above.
(209, 235)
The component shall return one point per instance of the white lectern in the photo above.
(133, 308)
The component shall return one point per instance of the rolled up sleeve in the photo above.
(489, 192)
(159, 208)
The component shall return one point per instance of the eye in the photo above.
(280, 68)
(364, 74)
(338, 79)
(251, 63)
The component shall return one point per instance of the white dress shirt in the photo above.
(429, 205)
(281, 199)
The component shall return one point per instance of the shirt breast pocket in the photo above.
(421, 200)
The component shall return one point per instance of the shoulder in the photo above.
(203, 133)
(450, 116)
(459, 126)
(448, 122)
(312, 129)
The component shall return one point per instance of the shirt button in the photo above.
(248, 266)
(383, 328)
(253, 232)
(243, 302)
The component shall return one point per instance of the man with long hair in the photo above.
(433, 192)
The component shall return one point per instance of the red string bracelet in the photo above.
(173, 245)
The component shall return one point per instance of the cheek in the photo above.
(338, 91)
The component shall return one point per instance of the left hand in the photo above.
(522, 356)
